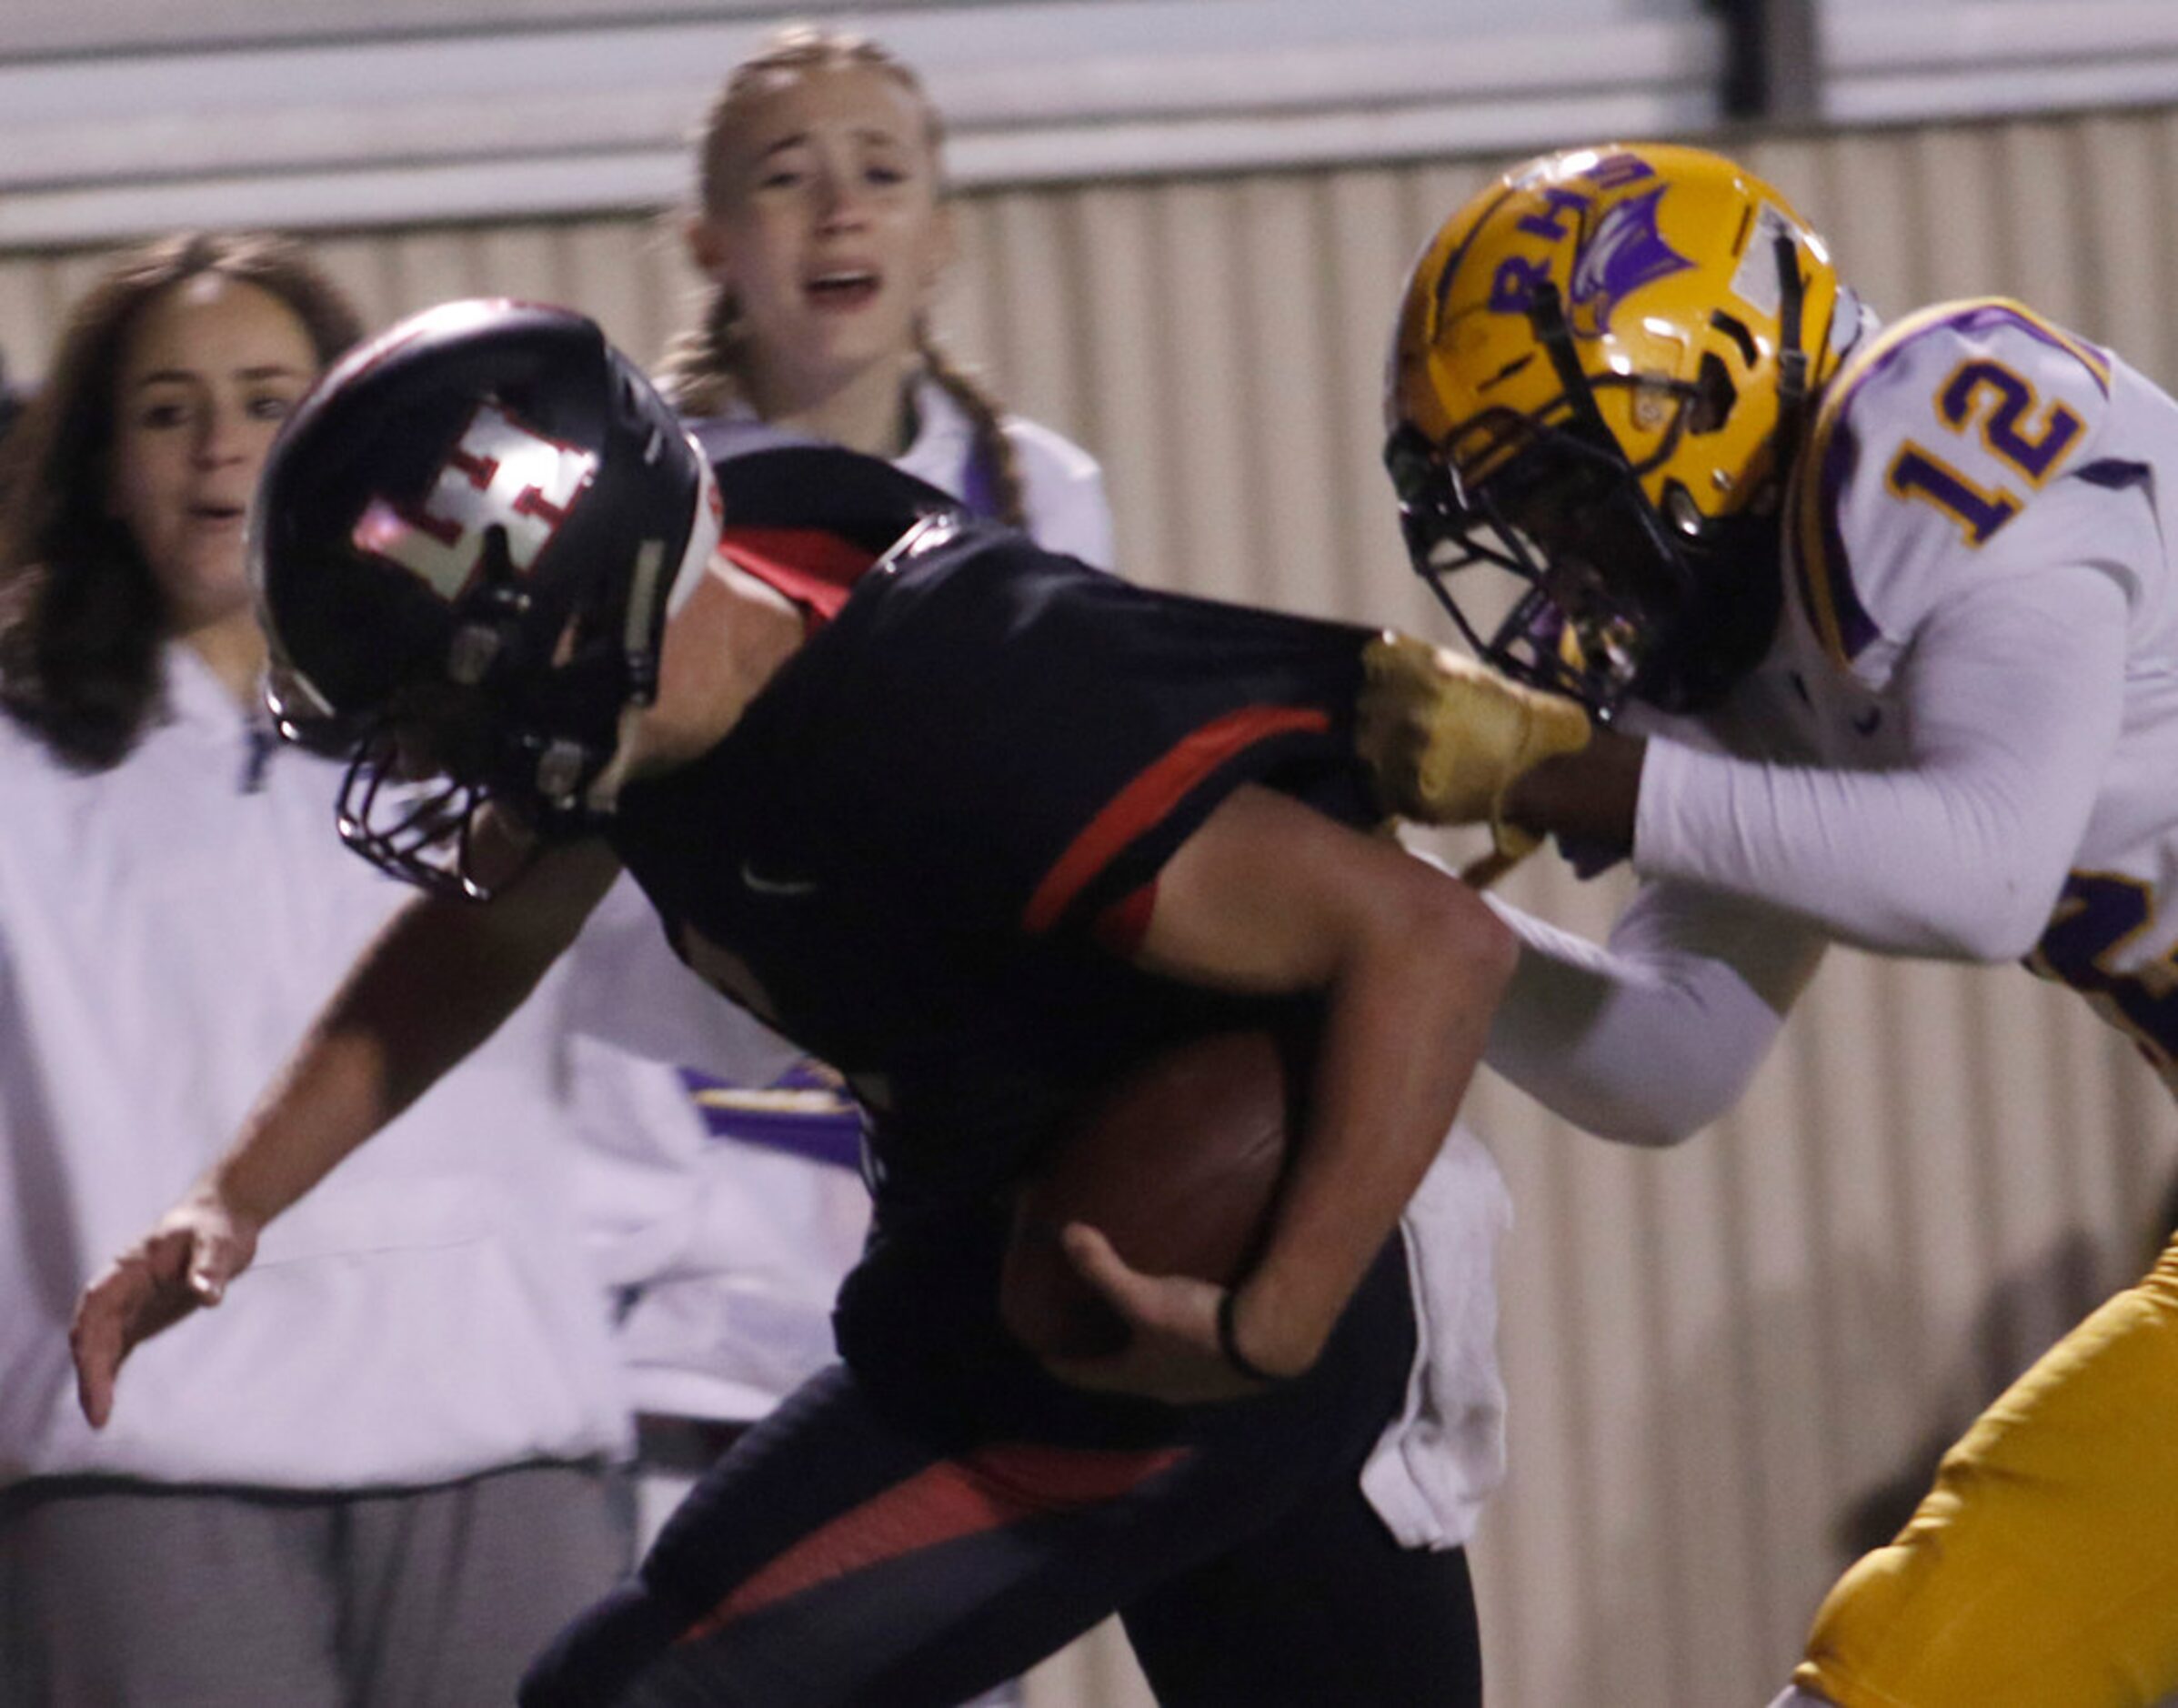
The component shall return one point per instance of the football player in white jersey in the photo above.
(1881, 630)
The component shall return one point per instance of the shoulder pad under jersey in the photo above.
(1932, 444)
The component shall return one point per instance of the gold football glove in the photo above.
(1445, 736)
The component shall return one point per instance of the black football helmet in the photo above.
(466, 536)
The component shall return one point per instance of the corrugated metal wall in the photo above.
(1730, 1363)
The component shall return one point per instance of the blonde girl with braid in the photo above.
(822, 231)
(822, 228)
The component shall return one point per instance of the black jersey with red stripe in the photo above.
(909, 852)
(808, 519)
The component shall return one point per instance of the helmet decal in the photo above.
(1623, 253)
(499, 475)
(1756, 282)
(1513, 285)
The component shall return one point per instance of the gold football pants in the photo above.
(2042, 1570)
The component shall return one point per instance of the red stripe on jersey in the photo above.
(1153, 793)
(1121, 926)
(815, 568)
(984, 1489)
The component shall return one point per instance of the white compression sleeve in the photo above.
(2012, 696)
(1651, 1038)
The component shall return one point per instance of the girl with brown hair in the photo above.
(391, 1452)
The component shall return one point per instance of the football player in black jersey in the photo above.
(979, 826)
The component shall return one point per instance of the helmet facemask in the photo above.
(532, 736)
(420, 776)
(421, 832)
(1557, 501)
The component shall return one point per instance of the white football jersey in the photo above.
(1969, 444)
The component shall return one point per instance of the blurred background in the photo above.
(1185, 223)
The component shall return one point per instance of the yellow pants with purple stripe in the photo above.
(2042, 1570)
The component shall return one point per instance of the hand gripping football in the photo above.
(1178, 1163)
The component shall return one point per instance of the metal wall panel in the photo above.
(1729, 1362)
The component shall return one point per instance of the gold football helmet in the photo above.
(1602, 370)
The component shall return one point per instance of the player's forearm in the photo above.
(430, 990)
(1919, 862)
(1404, 1026)
(1650, 1038)
(329, 1098)
(1270, 898)
(1587, 797)
(436, 982)
(2011, 703)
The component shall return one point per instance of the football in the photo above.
(1176, 1164)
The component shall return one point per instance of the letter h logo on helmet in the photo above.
(499, 475)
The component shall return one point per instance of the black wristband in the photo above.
(1229, 1342)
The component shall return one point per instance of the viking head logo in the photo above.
(1623, 253)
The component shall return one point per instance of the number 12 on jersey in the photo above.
(2015, 428)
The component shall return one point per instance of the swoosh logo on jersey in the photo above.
(758, 884)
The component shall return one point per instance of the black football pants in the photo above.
(837, 1557)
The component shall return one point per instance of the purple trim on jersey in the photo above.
(2114, 474)
(830, 1134)
(979, 483)
(1826, 587)
(1980, 316)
